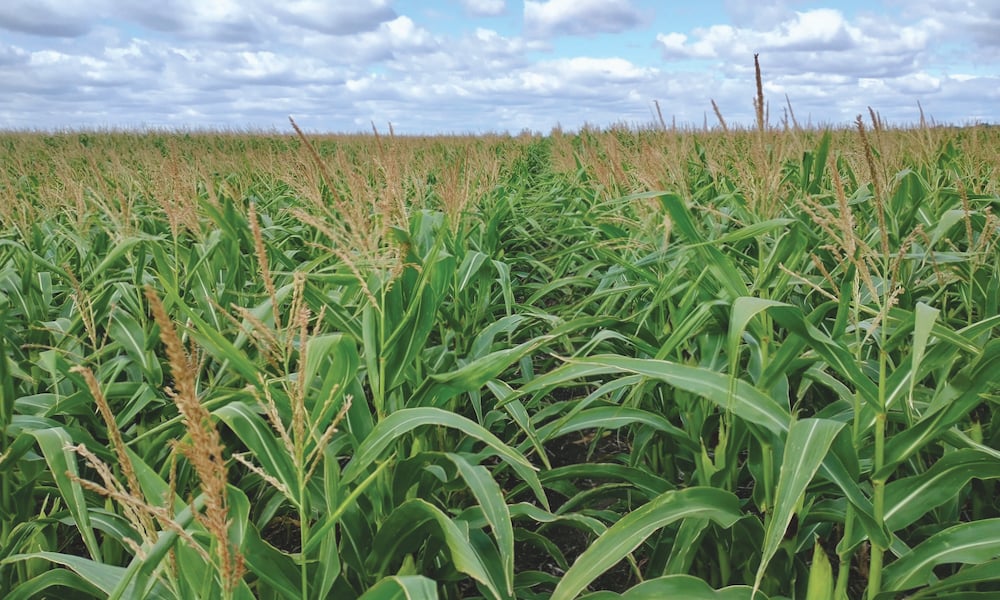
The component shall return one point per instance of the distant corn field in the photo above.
(612, 364)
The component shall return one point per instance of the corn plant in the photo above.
(620, 363)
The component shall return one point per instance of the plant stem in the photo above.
(878, 483)
(303, 538)
(767, 452)
(725, 570)
(380, 393)
(844, 572)
(300, 428)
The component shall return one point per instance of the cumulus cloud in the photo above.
(219, 21)
(579, 17)
(337, 18)
(391, 40)
(258, 20)
(977, 21)
(339, 66)
(758, 14)
(484, 8)
(833, 66)
(50, 18)
(12, 56)
(472, 55)
(226, 21)
(535, 95)
(816, 40)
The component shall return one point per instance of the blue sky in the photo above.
(446, 66)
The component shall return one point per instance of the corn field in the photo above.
(613, 364)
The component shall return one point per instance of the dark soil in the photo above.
(283, 533)
(588, 446)
(591, 446)
(572, 543)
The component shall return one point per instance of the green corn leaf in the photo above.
(402, 587)
(788, 252)
(127, 331)
(968, 577)
(195, 576)
(406, 420)
(476, 373)
(631, 530)
(954, 403)
(968, 543)
(506, 286)
(214, 342)
(614, 417)
(819, 159)
(7, 395)
(486, 337)
(746, 402)
(907, 499)
(806, 448)
(118, 249)
(55, 444)
(752, 231)
(371, 350)
(411, 523)
(101, 576)
(470, 266)
(792, 319)
(138, 578)
(727, 275)
(944, 222)
(821, 585)
(742, 314)
(685, 546)
(263, 313)
(540, 515)
(414, 325)
(319, 535)
(925, 317)
(613, 389)
(506, 398)
(329, 552)
(491, 499)
(59, 578)
(263, 443)
(441, 387)
(333, 355)
(333, 361)
(274, 568)
(642, 480)
(680, 586)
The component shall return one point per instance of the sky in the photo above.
(482, 66)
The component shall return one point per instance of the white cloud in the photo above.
(215, 21)
(833, 67)
(13, 56)
(579, 17)
(587, 71)
(338, 66)
(54, 18)
(336, 18)
(976, 21)
(391, 40)
(484, 8)
(758, 14)
(919, 84)
(219, 21)
(822, 29)
(535, 95)
(819, 40)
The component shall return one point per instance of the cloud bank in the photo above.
(495, 67)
